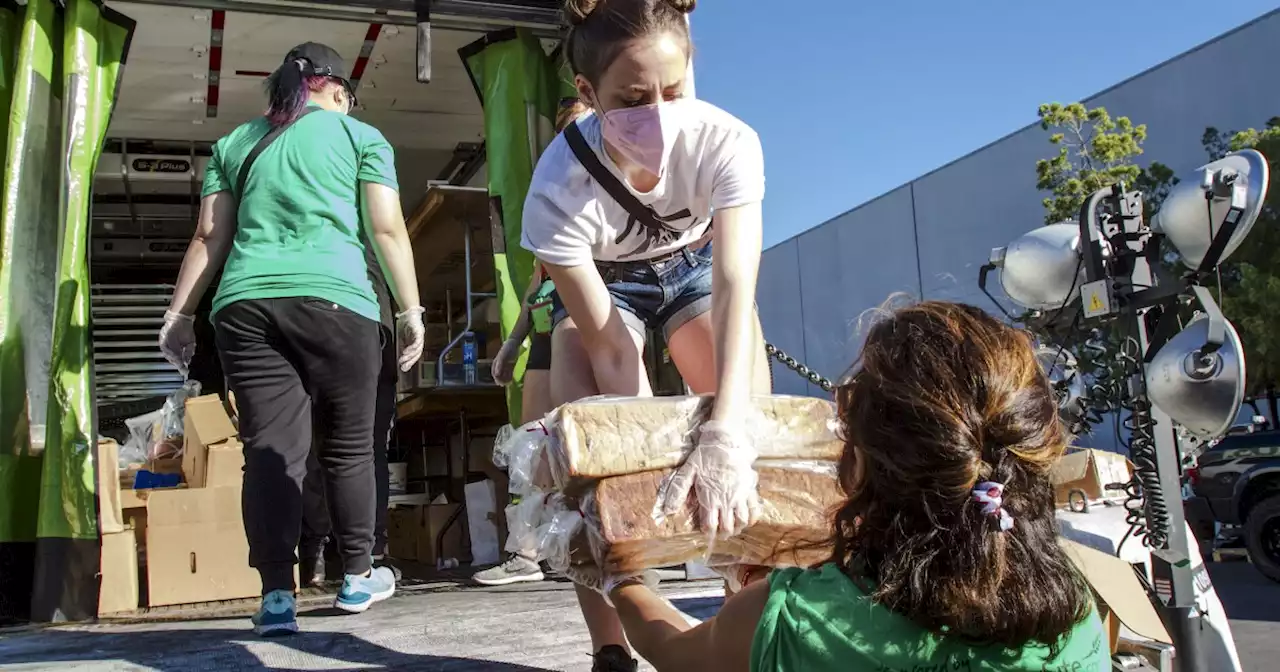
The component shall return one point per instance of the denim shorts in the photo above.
(657, 294)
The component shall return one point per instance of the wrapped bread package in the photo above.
(602, 437)
(796, 497)
(590, 474)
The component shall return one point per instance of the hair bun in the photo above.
(577, 11)
(683, 6)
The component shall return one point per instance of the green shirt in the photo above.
(818, 620)
(540, 307)
(299, 218)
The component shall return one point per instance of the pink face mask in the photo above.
(644, 134)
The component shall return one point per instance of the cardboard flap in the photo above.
(1072, 467)
(206, 421)
(1118, 587)
(184, 507)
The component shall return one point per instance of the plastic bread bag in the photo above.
(158, 435)
(796, 498)
(523, 451)
(526, 518)
(602, 437)
(143, 430)
(174, 412)
(559, 537)
(500, 446)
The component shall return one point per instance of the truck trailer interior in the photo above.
(195, 71)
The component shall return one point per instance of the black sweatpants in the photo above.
(287, 361)
(316, 524)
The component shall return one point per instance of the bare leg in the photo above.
(572, 379)
(535, 396)
(692, 349)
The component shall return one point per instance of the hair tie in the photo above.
(991, 495)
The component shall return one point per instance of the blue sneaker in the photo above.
(278, 615)
(360, 592)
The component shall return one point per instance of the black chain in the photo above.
(804, 371)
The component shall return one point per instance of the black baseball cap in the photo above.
(324, 61)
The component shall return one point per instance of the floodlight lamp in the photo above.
(1223, 196)
(1060, 368)
(1200, 384)
(1042, 269)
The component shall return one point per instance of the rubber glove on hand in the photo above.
(412, 334)
(178, 340)
(720, 473)
(595, 579)
(737, 577)
(504, 364)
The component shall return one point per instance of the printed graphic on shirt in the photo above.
(652, 240)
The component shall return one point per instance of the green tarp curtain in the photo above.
(60, 67)
(520, 86)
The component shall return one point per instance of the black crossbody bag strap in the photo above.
(606, 179)
(265, 142)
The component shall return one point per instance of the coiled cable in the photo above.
(1147, 510)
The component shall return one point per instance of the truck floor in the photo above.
(523, 628)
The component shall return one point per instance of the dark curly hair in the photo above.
(944, 397)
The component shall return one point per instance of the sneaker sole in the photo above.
(519, 578)
(276, 630)
(361, 607)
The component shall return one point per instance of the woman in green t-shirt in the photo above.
(945, 555)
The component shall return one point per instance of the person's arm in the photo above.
(615, 360)
(207, 252)
(384, 221)
(662, 636)
(524, 323)
(738, 233)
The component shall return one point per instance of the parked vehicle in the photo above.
(1236, 481)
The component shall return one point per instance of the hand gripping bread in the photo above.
(604, 437)
(796, 499)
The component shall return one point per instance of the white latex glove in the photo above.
(720, 473)
(596, 579)
(178, 340)
(504, 364)
(737, 577)
(412, 334)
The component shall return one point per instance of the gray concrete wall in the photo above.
(931, 236)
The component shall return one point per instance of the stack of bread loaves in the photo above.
(601, 464)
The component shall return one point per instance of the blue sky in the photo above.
(853, 98)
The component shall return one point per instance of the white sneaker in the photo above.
(515, 570)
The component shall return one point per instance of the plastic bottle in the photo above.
(469, 358)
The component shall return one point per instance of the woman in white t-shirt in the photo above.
(619, 211)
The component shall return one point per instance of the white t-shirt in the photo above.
(570, 220)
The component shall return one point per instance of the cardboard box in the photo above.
(167, 465)
(224, 465)
(110, 513)
(412, 532)
(1089, 471)
(205, 426)
(118, 587)
(1121, 597)
(196, 550)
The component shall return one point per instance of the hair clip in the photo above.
(991, 495)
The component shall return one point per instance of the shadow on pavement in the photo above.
(188, 650)
(1246, 594)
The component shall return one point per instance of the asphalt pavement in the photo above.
(526, 628)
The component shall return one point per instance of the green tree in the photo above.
(1251, 276)
(1095, 150)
